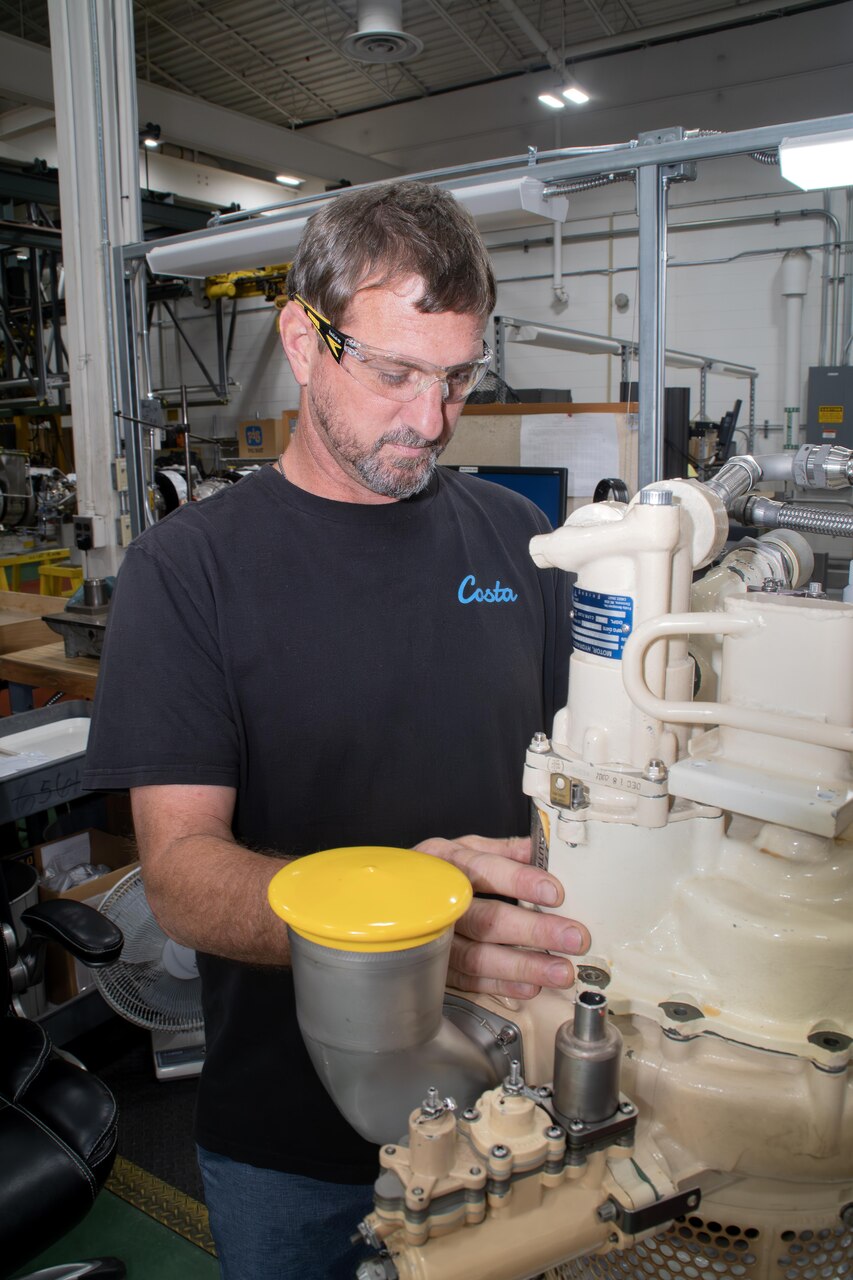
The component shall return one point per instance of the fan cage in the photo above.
(136, 986)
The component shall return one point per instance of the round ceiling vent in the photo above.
(379, 37)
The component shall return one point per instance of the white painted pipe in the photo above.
(837, 737)
(560, 295)
(795, 282)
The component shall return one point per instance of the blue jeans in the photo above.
(281, 1226)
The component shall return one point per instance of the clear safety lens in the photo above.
(399, 380)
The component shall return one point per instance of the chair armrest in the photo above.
(79, 928)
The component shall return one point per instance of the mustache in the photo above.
(409, 438)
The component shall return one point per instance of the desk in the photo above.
(46, 667)
(21, 625)
(14, 563)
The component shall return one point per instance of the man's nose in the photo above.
(425, 414)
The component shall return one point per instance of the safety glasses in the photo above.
(394, 376)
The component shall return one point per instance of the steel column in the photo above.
(652, 188)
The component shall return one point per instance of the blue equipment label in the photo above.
(601, 623)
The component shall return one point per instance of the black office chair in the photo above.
(57, 1122)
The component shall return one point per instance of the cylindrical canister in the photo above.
(587, 1059)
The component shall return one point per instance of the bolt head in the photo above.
(389, 1151)
(553, 1131)
(576, 1126)
(470, 1113)
(475, 1171)
(627, 1108)
(500, 1151)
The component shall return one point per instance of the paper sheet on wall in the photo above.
(587, 444)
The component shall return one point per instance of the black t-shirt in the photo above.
(361, 674)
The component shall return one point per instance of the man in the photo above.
(350, 647)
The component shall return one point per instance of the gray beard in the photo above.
(400, 479)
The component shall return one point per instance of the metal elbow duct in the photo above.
(370, 932)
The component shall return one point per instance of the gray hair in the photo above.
(376, 235)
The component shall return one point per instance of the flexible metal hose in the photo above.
(565, 188)
(838, 524)
(753, 509)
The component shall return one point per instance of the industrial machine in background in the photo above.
(687, 1110)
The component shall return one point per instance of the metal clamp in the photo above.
(636, 1222)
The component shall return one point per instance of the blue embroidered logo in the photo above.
(469, 592)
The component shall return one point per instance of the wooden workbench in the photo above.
(46, 667)
(21, 625)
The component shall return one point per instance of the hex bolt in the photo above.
(507, 1035)
(540, 743)
(606, 1212)
(656, 771)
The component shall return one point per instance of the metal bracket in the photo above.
(636, 1222)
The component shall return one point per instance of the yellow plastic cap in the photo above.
(370, 898)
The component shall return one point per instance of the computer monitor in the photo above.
(546, 486)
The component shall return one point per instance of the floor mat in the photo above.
(114, 1228)
(167, 1205)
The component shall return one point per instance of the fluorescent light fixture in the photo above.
(551, 100)
(574, 93)
(823, 160)
(287, 181)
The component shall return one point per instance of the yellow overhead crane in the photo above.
(253, 282)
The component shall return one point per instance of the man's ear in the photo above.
(299, 339)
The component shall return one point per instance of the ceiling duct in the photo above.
(380, 37)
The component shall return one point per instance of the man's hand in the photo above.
(485, 954)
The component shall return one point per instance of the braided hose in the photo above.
(752, 508)
(837, 524)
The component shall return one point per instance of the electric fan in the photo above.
(154, 983)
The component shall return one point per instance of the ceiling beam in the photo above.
(263, 57)
(218, 63)
(22, 120)
(188, 121)
(463, 36)
(535, 36)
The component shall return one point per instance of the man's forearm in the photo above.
(211, 894)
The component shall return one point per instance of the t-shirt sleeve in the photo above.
(162, 713)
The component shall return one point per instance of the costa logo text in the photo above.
(470, 593)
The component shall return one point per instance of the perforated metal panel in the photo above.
(698, 1249)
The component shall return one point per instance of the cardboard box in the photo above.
(261, 438)
(66, 977)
